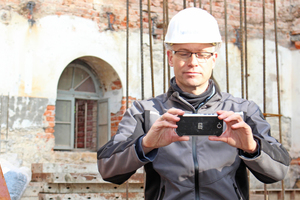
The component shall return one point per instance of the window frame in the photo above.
(72, 95)
(72, 129)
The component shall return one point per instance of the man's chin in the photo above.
(193, 83)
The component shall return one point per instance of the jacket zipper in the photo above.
(194, 146)
(162, 193)
(196, 168)
(237, 192)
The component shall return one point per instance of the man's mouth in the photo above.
(192, 73)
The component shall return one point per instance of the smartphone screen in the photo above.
(199, 124)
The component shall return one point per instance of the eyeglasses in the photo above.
(202, 57)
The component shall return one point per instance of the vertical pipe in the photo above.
(184, 4)
(246, 46)
(246, 64)
(167, 23)
(264, 57)
(150, 41)
(195, 3)
(278, 88)
(200, 4)
(85, 123)
(141, 48)
(264, 74)
(76, 124)
(164, 48)
(127, 70)
(210, 7)
(241, 48)
(226, 47)
(127, 52)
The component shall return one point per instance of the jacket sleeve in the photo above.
(117, 160)
(272, 163)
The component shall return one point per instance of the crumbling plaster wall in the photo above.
(36, 57)
(33, 59)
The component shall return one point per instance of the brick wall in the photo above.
(288, 14)
(117, 117)
(90, 121)
(49, 119)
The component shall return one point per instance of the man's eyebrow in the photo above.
(198, 50)
(202, 50)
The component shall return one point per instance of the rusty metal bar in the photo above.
(150, 41)
(85, 123)
(127, 71)
(277, 67)
(246, 65)
(278, 87)
(264, 76)
(226, 47)
(142, 50)
(246, 46)
(271, 115)
(264, 56)
(167, 22)
(127, 52)
(241, 32)
(76, 125)
(164, 48)
(265, 192)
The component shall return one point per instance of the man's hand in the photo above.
(237, 134)
(162, 132)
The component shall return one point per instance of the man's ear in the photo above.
(170, 56)
(215, 56)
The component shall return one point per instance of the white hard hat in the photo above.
(193, 25)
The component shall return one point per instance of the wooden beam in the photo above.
(4, 194)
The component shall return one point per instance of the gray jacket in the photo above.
(194, 169)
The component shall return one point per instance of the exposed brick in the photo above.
(288, 17)
(295, 32)
(295, 161)
(44, 135)
(51, 124)
(297, 44)
(49, 130)
(50, 118)
(49, 113)
(116, 85)
(114, 129)
(50, 107)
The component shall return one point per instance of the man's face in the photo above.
(192, 74)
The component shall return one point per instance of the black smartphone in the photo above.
(199, 124)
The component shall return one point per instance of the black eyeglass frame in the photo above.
(196, 53)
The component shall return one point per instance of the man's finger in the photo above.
(175, 111)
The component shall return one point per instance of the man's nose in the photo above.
(193, 60)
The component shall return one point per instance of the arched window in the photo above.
(81, 115)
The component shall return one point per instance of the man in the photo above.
(197, 167)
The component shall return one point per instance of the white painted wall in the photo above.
(295, 105)
(33, 58)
